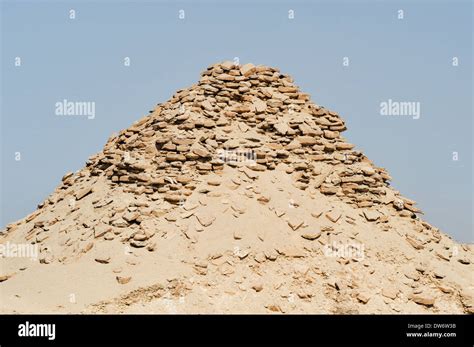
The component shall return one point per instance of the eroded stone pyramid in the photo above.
(243, 186)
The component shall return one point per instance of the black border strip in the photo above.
(242, 329)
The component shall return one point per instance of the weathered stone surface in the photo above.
(329, 190)
(371, 215)
(295, 223)
(138, 244)
(282, 128)
(247, 69)
(102, 259)
(123, 280)
(333, 215)
(83, 192)
(260, 105)
(3, 278)
(311, 235)
(390, 292)
(307, 140)
(415, 243)
(131, 216)
(101, 229)
(422, 299)
(205, 219)
(363, 297)
(173, 198)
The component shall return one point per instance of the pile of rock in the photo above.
(243, 108)
(233, 110)
(238, 176)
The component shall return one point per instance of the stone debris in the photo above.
(390, 292)
(291, 252)
(83, 192)
(205, 219)
(422, 299)
(317, 213)
(333, 215)
(5, 277)
(415, 243)
(371, 215)
(295, 223)
(102, 259)
(363, 297)
(226, 269)
(123, 280)
(179, 182)
(238, 235)
(252, 97)
(311, 235)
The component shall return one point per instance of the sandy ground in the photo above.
(202, 271)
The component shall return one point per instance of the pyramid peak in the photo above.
(247, 109)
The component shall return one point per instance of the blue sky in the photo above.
(82, 60)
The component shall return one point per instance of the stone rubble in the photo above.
(165, 172)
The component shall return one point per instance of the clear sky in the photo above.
(82, 59)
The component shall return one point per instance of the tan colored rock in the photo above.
(102, 259)
(131, 216)
(257, 167)
(205, 219)
(175, 157)
(414, 243)
(333, 215)
(341, 146)
(363, 297)
(201, 152)
(331, 134)
(247, 69)
(228, 65)
(83, 192)
(238, 235)
(311, 235)
(306, 140)
(3, 278)
(282, 128)
(295, 223)
(207, 105)
(225, 77)
(390, 292)
(329, 190)
(101, 229)
(291, 252)
(371, 215)
(123, 280)
(422, 299)
(226, 269)
(260, 105)
(174, 198)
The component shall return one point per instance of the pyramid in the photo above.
(239, 194)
